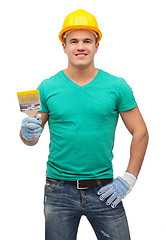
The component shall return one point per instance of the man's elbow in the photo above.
(146, 135)
(142, 133)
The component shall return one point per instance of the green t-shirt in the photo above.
(82, 122)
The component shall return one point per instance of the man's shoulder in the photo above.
(53, 78)
(110, 78)
(48, 82)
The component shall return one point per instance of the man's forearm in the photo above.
(137, 151)
(29, 143)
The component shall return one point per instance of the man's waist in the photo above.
(85, 184)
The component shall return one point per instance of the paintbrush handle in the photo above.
(31, 113)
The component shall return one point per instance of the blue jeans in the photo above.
(64, 205)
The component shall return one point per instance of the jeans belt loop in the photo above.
(61, 182)
(99, 185)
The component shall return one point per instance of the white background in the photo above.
(133, 47)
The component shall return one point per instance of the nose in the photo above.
(80, 46)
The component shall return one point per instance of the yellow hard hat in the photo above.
(80, 19)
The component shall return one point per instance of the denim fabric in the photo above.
(64, 205)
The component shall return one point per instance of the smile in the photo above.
(81, 54)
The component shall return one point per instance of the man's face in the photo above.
(80, 47)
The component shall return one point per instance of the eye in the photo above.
(88, 41)
(73, 41)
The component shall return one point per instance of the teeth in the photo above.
(81, 54)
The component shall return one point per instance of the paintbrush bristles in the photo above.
(29, 102)
(28, 96)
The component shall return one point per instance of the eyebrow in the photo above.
(85, 39)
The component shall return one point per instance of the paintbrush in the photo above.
(29, 102)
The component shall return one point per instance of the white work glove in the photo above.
(31, 127)
(118, 189)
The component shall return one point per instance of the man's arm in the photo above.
(134, 122)
(121, 186)
(44, 119)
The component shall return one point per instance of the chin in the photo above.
(82, 65)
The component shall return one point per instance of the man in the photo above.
(82, 105)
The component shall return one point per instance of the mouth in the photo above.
(81, 54)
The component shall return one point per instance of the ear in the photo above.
(97, 46)
(64, 47)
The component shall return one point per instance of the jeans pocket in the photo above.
(51, 185)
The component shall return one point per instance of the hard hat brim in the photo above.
(77, 27)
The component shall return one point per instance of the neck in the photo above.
(81, 75)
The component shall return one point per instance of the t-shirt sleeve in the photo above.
(126, 99)
(44, 107)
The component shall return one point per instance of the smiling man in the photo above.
(82, 104)
(80, 47)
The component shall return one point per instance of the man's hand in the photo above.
(118, 189)
(31, 127)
